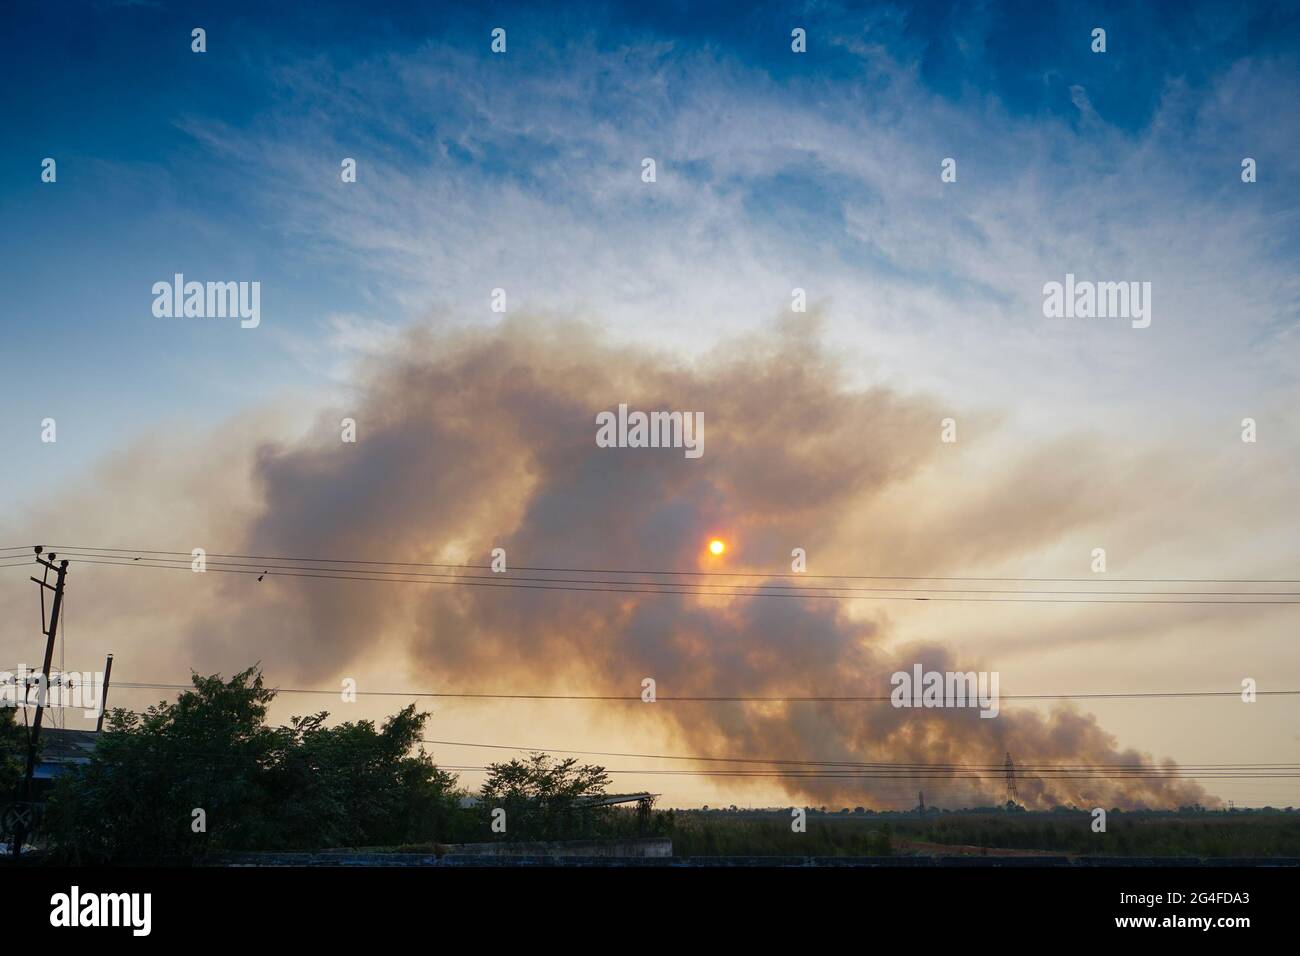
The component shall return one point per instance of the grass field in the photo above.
(1261, 833)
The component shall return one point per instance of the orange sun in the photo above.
(717, 546)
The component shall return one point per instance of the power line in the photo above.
(917, 775)
(858, 577)
(612, 587)
(938, 767)
(884, 772)
(417, 576)
(878, 698)
(215, 757)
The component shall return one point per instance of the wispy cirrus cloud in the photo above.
(478, 173)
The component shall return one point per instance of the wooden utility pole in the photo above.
(34, 738)
(103, 704)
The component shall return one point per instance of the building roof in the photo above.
(614, 798)
(605, 801)
(62, 748)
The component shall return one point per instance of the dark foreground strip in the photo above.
(660, 904)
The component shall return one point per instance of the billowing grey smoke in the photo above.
(488, 440)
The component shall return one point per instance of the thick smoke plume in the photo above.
(487, 440)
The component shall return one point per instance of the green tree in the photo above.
(13, 752)
(353, 785)
(301, 786)
(136, 800)
(545, 798)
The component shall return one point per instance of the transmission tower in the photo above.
(1009, 769)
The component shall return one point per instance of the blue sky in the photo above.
(112, 91)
